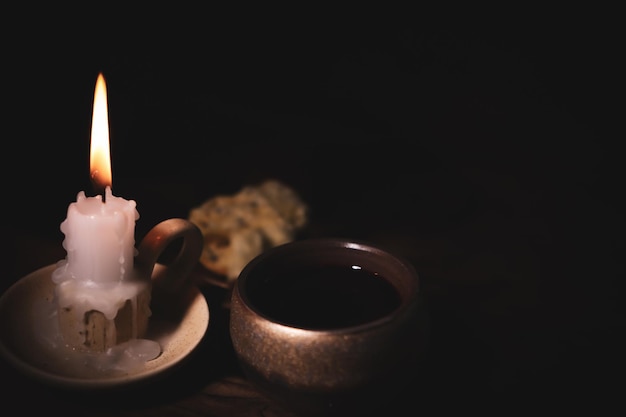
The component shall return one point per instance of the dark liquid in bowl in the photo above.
(322, 297)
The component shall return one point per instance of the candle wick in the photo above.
(97, 185)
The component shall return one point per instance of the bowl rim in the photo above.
(242, 300)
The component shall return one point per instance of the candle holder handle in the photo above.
(171, 276)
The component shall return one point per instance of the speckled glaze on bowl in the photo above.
(338, 371)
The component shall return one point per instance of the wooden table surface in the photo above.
(465, 150)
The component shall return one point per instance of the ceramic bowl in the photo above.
(329, 326)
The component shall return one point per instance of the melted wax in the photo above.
(124, 357)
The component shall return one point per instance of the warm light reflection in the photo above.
(100, 157)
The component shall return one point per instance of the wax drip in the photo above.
(126, 357)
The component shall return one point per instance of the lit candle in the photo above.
(99, 231)
(101, 300)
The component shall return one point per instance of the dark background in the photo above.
(483, 150)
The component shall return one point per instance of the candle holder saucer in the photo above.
(22, 346)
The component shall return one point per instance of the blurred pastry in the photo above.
(238, 227)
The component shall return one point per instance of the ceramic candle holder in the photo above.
(30, 337)
(329, 326)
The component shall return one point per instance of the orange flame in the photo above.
(100, 155)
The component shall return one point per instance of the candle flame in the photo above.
(100, 156)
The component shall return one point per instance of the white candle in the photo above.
(99, 239)
(99, 234)
(97, 278)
